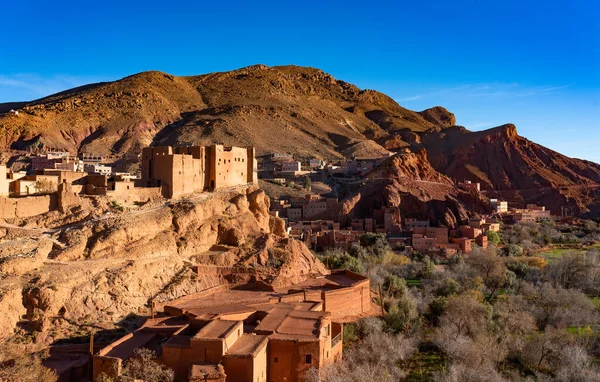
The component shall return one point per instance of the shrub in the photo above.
(19, 365)
(342, 260)
(395, 286)
(493, 238)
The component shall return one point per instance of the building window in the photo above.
(275, 360)
(308, 359)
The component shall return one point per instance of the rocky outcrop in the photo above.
(511, 167)
(408, 181)
(439, 116)
(21, 256)
(100, 270)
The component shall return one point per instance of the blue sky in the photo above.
(535, 64)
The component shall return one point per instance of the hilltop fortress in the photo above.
(188, 169)
(166, 172)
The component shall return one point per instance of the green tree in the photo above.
(342, 260)
(493, 237)
(307, 184)
(395, 286)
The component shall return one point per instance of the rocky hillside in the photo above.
(511, 166)
(293, 109)
(95, 272)
(409, 182)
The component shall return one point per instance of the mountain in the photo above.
(293, 109)
(408, 181)
(299, 110)
(512, 167)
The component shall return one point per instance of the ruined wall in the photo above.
(27, 206)
(348, 301)
(110, 366)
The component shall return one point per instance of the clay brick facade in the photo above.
(256, 337)
(185, 170)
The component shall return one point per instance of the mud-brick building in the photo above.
(243, 335)
(188, 169)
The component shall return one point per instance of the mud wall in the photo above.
(27, 206)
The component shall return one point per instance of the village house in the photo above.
(47, 161)
(316, 163)
(33, 185)
(4, 181)
(499, 206)
(468, 185)
(290, 166)
(69, 164)
(486, 224)
(532, 213)
(411, 223)
(242, 335)
(96, 168)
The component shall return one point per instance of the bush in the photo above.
(402, 316)
(512, 250)
(436, 309)
(143, 366)
(493, 238)
(447, 288)
(19, 365)
(342, 260)
(395, 286)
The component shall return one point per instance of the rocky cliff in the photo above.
(95, 272)
(510, 166)
(408, 181)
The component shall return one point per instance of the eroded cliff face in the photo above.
(511, 167)
(98, 271)
(408, 181)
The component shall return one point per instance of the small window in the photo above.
(309, 359)
(275, 360)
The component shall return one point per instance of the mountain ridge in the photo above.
(299, 110)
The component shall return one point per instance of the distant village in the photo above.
(173, 172)
(316, 220)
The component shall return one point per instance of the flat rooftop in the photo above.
(288, 321)
(178, 342)
(229, 301)
(336, 280)
(203, 372)
(248, 345)
(217, 329)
